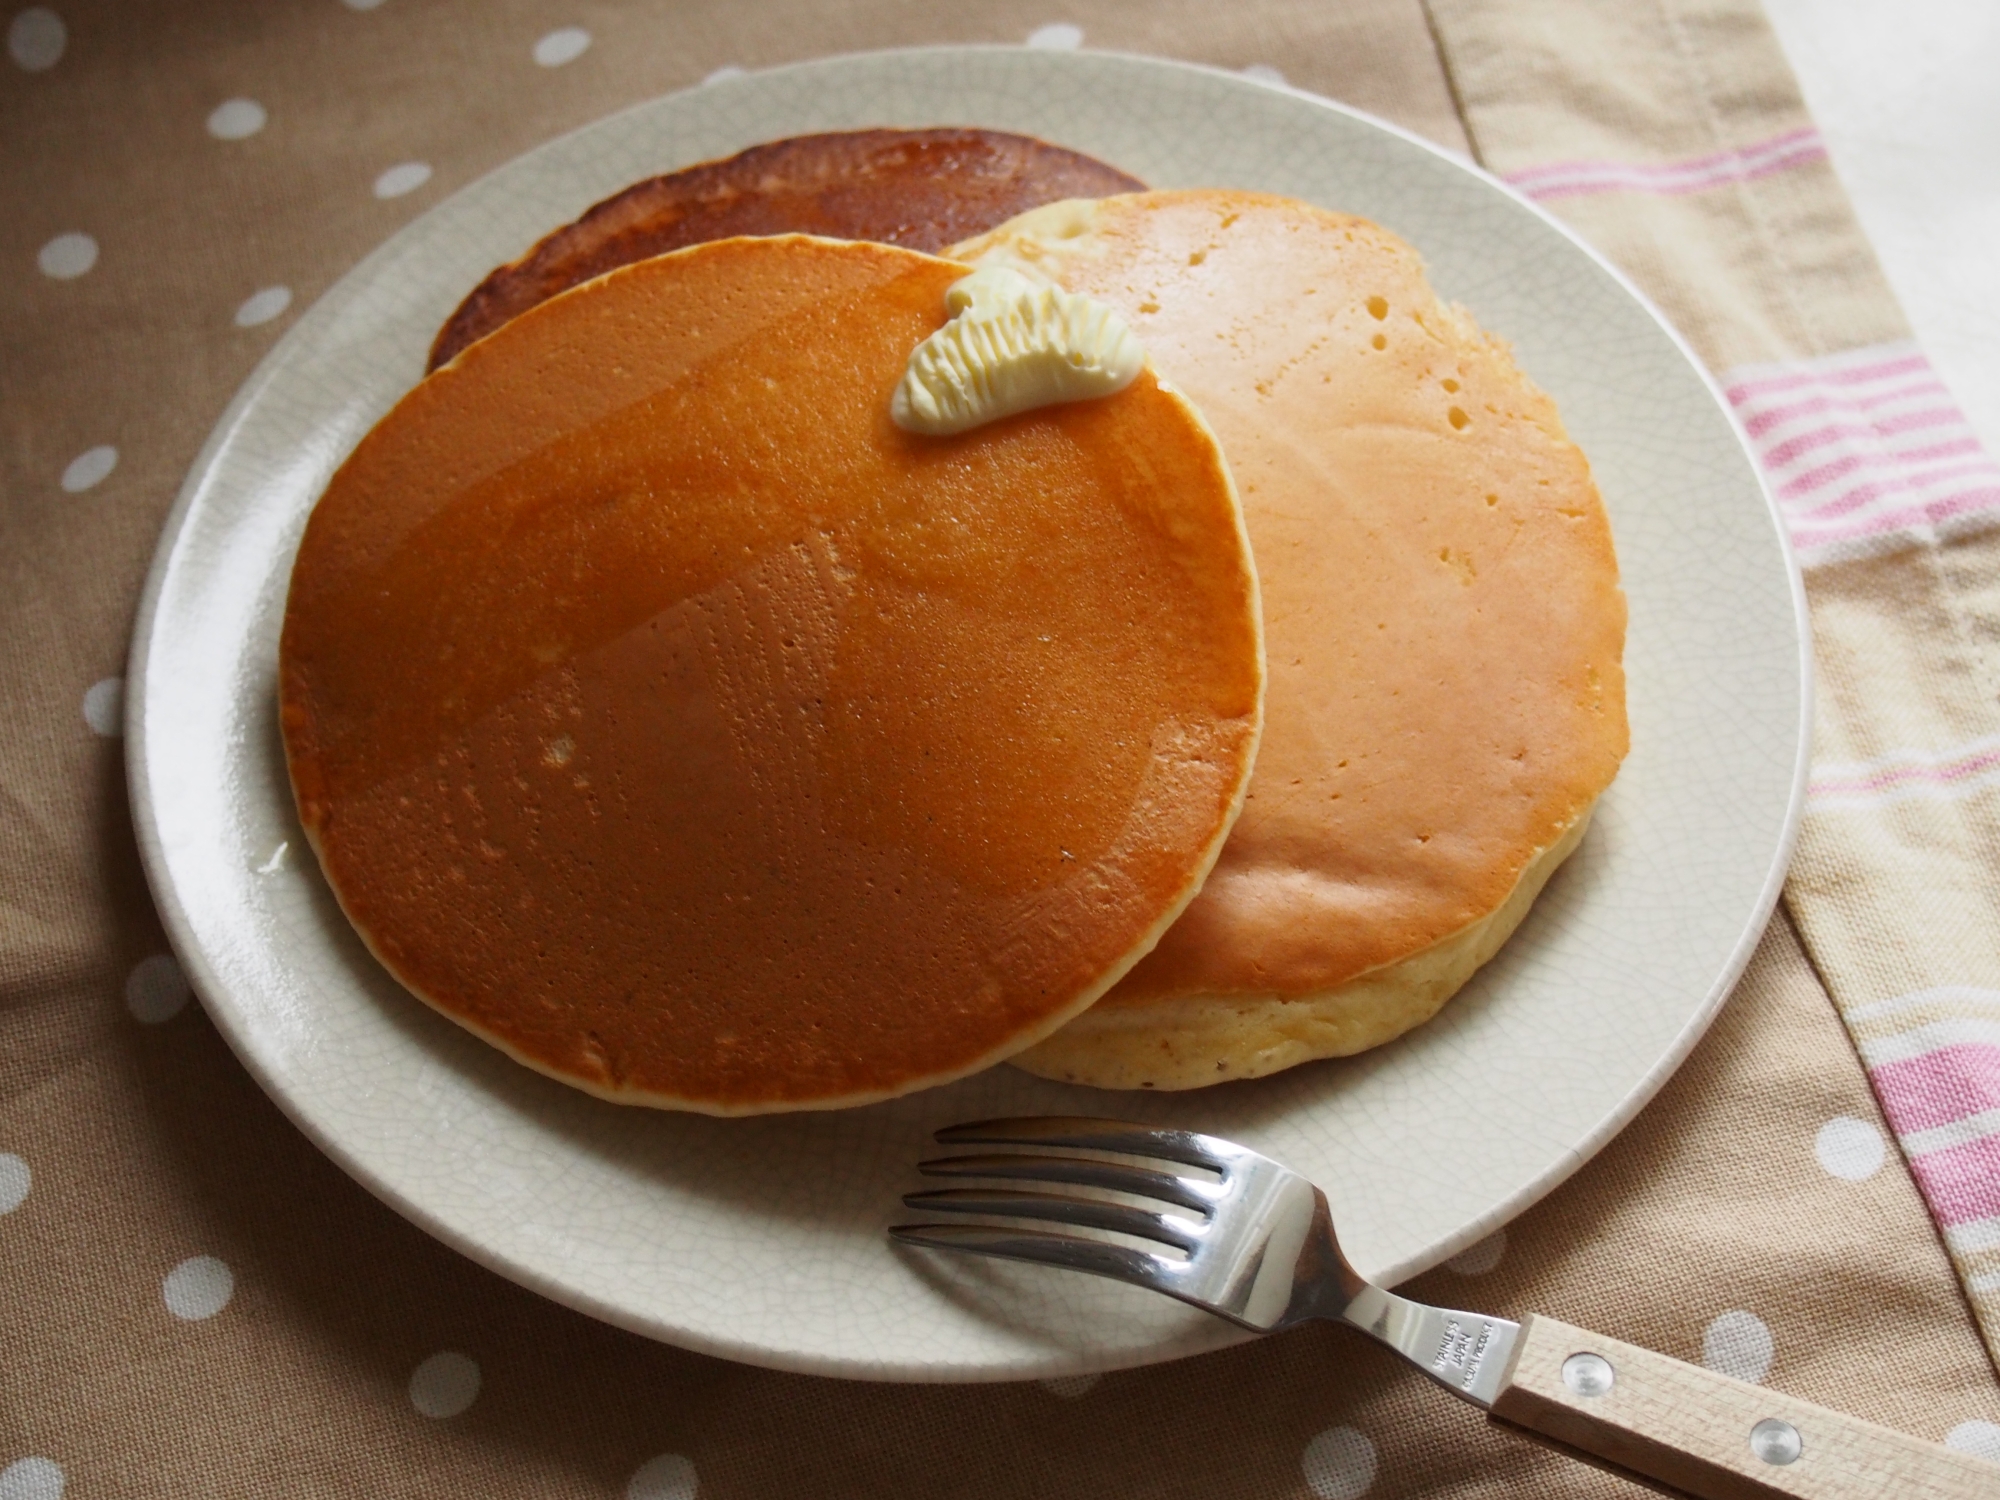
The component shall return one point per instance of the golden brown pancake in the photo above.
(1444, 626)
(663, 713)
(922, 189)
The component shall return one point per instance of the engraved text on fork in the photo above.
(1463, 1351)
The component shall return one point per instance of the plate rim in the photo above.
(179, 927)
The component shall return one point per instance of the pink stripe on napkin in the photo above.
(1961, 1182)
(1849, 369)
(1932, 454)
(1771, 416)
(1889, 529)
(1571, 179)
(1865, 451)
(1885, 778)
(1938, 1087)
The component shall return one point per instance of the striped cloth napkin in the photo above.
(1674, 138)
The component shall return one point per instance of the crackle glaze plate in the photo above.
(762, 1239)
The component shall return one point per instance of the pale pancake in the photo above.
(1191, 1041)
(1444, 625)
(664, 714)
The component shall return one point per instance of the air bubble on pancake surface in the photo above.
(1378, 308)
(1067, 220)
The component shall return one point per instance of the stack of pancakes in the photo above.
(665, 714)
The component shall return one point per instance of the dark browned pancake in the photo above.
(921, 189)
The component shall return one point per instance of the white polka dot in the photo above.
(90, 468)
(444, 1385)
(1980, 1439)
(1478, 1259)
(1339, 1464)
(1849, 1148)
(156, 990)
(404, 177)
(199, 1287)
(724, 73)
(1070, 1387)
(261, 307)
(235, 119)
(667, 1477)
(67, 256)
(36, 39)
(1738, 1344)
(32, 1479)
(1059, 37)
(1264, 73)
(104, 707)
(564, 46)
(15, 1180)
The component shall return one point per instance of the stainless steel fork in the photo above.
(1237, 1235)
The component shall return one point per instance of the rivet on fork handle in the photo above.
(1712, 1436)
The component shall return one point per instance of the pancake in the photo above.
(665, 714)
(921, 189)
(1444, 625)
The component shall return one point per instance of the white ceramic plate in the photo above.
(762, 1239)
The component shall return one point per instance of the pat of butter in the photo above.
(1012, 346)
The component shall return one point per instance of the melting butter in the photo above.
(1012, 345)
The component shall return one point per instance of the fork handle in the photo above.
(1711, 1436)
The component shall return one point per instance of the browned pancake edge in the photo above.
(920, 189)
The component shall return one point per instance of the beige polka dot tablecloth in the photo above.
(195, 1302)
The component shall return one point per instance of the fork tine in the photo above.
(1062, 1209)
(1081, 1171)
(1119, 1262)
(1088, 1134)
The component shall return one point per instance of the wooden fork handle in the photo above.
(1713, 1437)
